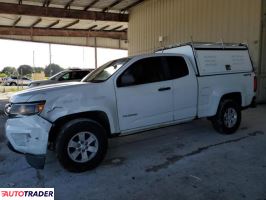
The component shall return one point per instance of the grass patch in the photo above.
(4, 89)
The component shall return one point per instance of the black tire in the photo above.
(71, 131)
(13, 84)
(219, 120)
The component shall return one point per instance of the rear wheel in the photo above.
(81, 145)
(228, 117)
(13, 84)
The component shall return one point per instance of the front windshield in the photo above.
(105, 71)
(54, 77)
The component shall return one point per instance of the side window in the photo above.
(74, 75)
(177, 67)
(79, 74)
(147, 70)
(65, 77)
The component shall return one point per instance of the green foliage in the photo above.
(3, 75)
(25, 70)
(9, 71)
(38, 69)
(52, 69)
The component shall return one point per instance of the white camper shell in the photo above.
(214, 58)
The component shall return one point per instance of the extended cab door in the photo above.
(185, 87)
(144, 96)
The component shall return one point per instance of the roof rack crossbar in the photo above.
(194, 44)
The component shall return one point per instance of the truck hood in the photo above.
(43, 92)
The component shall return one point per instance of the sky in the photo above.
(15, 53)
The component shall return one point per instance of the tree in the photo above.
(52, 69)
(24, 70)
(2, 75)
(9, 71)
(38, 69)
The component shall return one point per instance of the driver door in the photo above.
(144, 96)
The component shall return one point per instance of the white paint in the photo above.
(185, 95)
(129, 109)
(215, 61)
(28, 134)
(146, 104)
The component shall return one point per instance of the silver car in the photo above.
(63, 76)
(14, 81)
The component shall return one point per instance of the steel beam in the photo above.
(112, 5)
(30, 10)
(91, 4)
(132, 5)
(61, 32)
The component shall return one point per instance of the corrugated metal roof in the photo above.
(79, 4)
(27, 21)
(22, 24)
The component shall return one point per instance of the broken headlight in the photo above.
(30, 108)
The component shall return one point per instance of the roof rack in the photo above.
(196, 45)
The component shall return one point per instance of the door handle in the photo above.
(164, 89)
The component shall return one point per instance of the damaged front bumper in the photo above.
(29, 135)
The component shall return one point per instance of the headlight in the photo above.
(31, 108)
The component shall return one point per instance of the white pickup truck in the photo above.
(130, 95)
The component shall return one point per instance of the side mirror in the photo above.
(127, 80)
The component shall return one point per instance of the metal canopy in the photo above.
(65, 18)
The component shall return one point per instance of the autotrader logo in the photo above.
(27, 193)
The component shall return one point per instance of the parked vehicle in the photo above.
(14, 81)
(130, 95)
(2, 80)
(63, 76)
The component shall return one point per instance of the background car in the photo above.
(63, 76)
(14, 81)
(2, 80)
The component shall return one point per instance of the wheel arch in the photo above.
(14, 83)
(98, 116)
(236, 96)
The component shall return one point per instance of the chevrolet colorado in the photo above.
(130, 95)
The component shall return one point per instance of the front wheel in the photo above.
(81, 145)
(13, 84)
(228, 117)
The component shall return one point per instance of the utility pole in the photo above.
(95, 52)
(50, 58)
(20, 78)
(50, 53)
(83, 57)
(33, 58)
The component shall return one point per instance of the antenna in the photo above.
(246, 44)
(222, 42)
(192, 43)
(163, 49)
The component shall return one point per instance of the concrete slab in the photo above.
(188, 161)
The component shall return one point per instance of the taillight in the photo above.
(255, 84)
